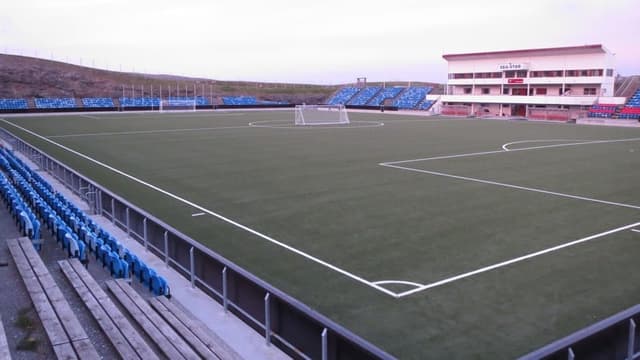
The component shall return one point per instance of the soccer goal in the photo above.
(177, 105)
(321, 115)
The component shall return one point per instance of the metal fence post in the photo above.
(224, 290)
(325, 351)
(166, 248)
(193, 266)
(267, 320)
(128, 220)
(144, 234)
(632, 339)
(113, 210)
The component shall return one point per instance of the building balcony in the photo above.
(532, 100)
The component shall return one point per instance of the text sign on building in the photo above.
(515, 81)
(513, 66)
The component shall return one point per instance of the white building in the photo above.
(532, 82)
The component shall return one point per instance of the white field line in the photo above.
(219, 216)
(505, 147)
(90, 117)
(401, 282)
(489, 182)
(504, 151)
(197, 214)
(515, 260)
(636, 230)
(148, 131)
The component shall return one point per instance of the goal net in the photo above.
(321, 115)
(176, 104)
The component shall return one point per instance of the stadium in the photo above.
(491, 215)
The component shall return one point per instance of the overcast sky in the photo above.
(323, 41)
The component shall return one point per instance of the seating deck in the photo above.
(123, 336)
(68, 338)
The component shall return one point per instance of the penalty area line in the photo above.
(210, 212)
(515, 260)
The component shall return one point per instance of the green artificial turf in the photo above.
(324, 192)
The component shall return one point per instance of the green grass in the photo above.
(323, 192)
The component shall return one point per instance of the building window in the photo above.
(505, 91)
(521, 73)
(589, 91)
(463, 76)
(467, 90)
(485, 91)
(541, 91)
(609, 72)
(509, 74)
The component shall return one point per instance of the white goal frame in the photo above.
(321, 115)
(177, 105)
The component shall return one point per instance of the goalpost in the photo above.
(177, 105)
(321, 115)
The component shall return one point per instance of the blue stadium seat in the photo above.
(411, 97)
(139, 102)
(362, 97)
(239, 100)
(13, 104)
(386, 93)
(344, 95)
(55, 103)
(98, 102)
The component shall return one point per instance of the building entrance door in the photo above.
(518, 110)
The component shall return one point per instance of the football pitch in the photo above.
(429, 237)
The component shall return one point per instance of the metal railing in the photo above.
(284, 321)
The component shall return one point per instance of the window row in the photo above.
(532, 91)
(533, 74)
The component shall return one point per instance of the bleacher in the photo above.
(13, 104)
(631, 109)
(55, 103)
(411, 97)
(364, 95)
(386, 93)
(425, 105)
(344, 95)
(139, 102)
(200, 100)
(77, 233)
(602, 110)
(98, 102)
(239, 100)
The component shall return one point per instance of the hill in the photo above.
(26, 77)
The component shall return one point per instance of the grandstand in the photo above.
(146, 102)
(55, 103)
(13, 104)
(98, 102)
(386, 93)
(631, 109)
(411, 97)
(343, 95)
(364, 95)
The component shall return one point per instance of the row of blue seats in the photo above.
(24, 217)
(634, 100)
(55, 103)
(78, 234)
(13, 104)
(386, 93)
(411, 97)
(200, 100)
(425, 105)
(239, 100)
(364, 95)
(140, 101)
(343, 96)
(600, 115)
(98, 102)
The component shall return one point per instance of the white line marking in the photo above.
(515, 260)
(489, 182)
(402, 282)
(505, 147)
(221, 217)
(504, 151)
(148, 131)
(90, 117)
(197, 214)
(636, 230)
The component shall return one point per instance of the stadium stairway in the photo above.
(234, 332)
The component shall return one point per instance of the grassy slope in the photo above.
(322, 190)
